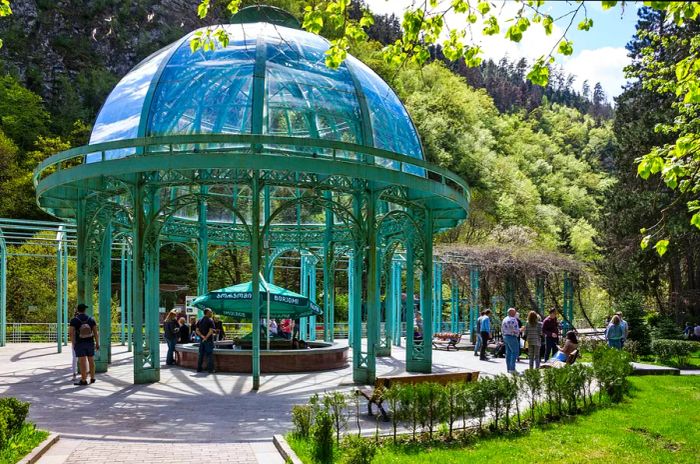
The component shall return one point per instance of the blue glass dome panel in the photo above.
(392, 128)
(207, 91)
(177, 92)
(120, 116)
(304, 97)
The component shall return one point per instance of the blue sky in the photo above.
(599, 54)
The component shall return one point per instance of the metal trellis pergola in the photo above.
(256, 144)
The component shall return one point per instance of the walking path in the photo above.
(117, 421)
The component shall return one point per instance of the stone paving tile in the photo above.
(184, 406)
(127, 453)
(186, 417)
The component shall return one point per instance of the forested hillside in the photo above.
(543, 163)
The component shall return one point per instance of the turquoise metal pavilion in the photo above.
(257, 144)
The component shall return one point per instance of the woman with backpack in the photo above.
(85, 340)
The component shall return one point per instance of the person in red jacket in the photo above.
(550, 329)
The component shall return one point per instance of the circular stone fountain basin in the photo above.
(319, 356)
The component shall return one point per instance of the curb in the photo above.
(285, 450)
(39, 451)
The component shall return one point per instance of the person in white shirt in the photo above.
(511, 333)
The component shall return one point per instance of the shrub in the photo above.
(670, 350)
(358, 450)
(322, 437)
(12, 415)
(453, 405)
(590, 344)
(302, 420)
(663, 327)
(336, 404)
(16, 413)
(634, 348)
(532, 384)
(611, 368)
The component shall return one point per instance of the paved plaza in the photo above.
(184, 408)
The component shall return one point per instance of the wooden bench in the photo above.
(375, 396)
(446, 340)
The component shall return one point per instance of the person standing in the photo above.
(171, 333)
(484, 332)
(193, 330)
(533, 335)
(511, 338)
(184, 334)
(205, 331)
(219, 326)
(477, 343)
(550, 329)
(85, 340)
(418, 326)
(614, 333)
(625, 328)
(285, 328)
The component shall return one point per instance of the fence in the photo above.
(46, 332)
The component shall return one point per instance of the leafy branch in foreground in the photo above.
(678, 163)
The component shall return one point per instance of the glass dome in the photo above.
(178, 92)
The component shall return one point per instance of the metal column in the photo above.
(422, 355)
(328, 275)
(539, 294)
(102, 357)
(122, 296)
(454, 306)
(351, 299)
(437, 302)
(396, 299)
(3, 291)
(474, 299)
(255, 270)
(60, 323)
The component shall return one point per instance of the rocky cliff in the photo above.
(72, 52)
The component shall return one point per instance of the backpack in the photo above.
(85, 329)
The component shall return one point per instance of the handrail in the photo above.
(247, 139)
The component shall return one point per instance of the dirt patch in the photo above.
(667, 444)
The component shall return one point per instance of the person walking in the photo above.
(171, 333)
(614, 333)
(477, 343)
(85, 340)
(484, 333)
(511, 334)
(550, 329)
(533, 336)
(625, 328)
(205, 331)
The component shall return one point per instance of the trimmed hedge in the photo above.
(677, 351)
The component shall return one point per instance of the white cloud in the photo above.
(604, 65)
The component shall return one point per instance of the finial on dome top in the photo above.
(265, 14)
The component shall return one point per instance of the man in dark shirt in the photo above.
(205, 330)
(550, 329)
(84, 338)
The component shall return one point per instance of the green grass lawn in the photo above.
(693, 360)
(20, 444)
(659, 423)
